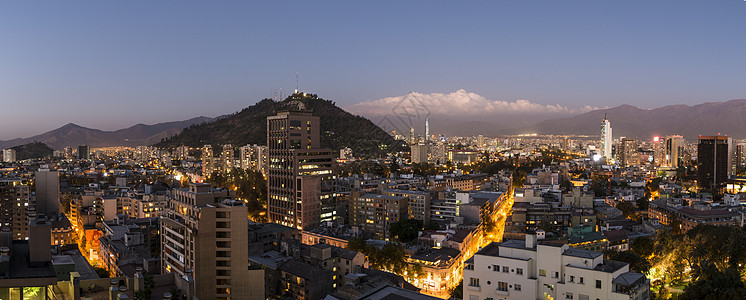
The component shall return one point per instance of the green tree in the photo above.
(627, 208)
(643, 246)
(458, 291)
(356, 244)
(406, 230)
(712, 283)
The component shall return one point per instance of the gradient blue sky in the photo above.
(112, 64)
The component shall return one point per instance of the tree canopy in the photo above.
(406, 230)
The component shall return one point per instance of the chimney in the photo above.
(530, 240)
(139, 281)
(113, 289)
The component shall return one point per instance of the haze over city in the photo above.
(112, 65)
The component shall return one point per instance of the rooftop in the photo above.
(384, 197)
(581, 253)
(303, 270)
(611, 266)
(20, 267)
(388, 292)
(629, 278)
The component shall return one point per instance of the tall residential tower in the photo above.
(606, 138)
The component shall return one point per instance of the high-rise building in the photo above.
(714, 161)
(300, 185)
(606, 138)
(182, 152)
(208, 161)
(674, 151)
(659, 151)
(628, 153)
(143, 154)
(84, 152)
(739, 158)
(15, 205)
(47, 184)
(203, 234)
(438, 153)
(253, 157)
(427, 129)
(227, 158)
(9, 155)
(412, 137)
(420, 153)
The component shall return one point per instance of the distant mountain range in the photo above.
(74, 135)
(711, 118)
(342, 129)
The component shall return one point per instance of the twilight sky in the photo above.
(110, 65)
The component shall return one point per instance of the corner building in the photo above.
(518, 269)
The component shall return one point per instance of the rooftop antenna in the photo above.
(296, 82)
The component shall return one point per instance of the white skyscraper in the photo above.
(427, 129)
(606, 138)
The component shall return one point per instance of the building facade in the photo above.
(375, 213)
(714, 161)
(518, 269)
(204, 234)
(300, 185)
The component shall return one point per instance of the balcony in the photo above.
(473, 288)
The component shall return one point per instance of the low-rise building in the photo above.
(668, 210)
(518, 269)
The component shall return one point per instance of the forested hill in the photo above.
(339, 128)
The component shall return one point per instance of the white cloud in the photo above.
(459, 102)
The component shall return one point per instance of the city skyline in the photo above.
(157, 62)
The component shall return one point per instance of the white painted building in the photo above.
(606, 139)
(518, 269)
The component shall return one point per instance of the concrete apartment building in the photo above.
(204, 234)
(253, 157)
(301, 192)
(518, 269)
(15, 207)
(418, 203)
(375, 213)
